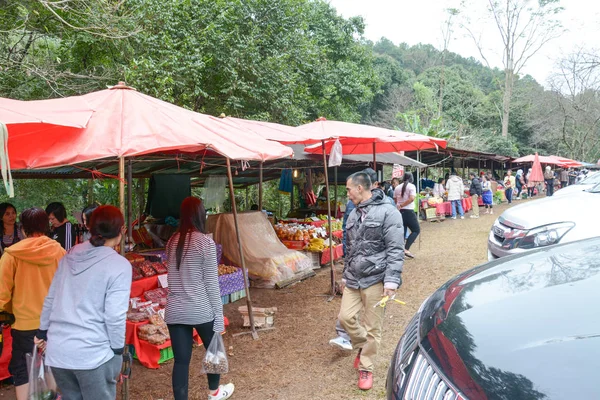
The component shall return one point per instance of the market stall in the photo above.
(146, 332)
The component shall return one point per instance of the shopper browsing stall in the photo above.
(10, 229)
(86, 214)
(83, 320)
(476, 191)
(61, 229)
(26, 272)
(194, 299)
(456, 189)
(487, 195)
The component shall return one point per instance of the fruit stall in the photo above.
(310, 235)
(146, 332)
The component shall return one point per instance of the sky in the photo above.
(414, 21)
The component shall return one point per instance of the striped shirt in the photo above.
(65, 235)
(194, 296)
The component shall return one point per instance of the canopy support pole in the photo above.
(260, 187)
(374, 156)
(239, 239)
(329, 219)
(141, 194)
(126, 356)
(129, 199)
(419, 196)
(122, 196)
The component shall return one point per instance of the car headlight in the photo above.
(538, 237)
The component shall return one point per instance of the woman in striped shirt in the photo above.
(194, 299)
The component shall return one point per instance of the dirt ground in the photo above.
(295, 361)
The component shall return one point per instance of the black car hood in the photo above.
(521, 327)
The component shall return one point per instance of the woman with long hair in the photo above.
(10, 230)
(194, 299)
(405, 195)
(83, 319)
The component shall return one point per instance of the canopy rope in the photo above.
(5, 162)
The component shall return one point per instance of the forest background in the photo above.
(286, 61)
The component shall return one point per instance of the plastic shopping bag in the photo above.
(215, 361)
(335, 155)
(42, 385)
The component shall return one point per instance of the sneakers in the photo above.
(341, 343)
(224, 392)
(474, 216)
(462, 217)
(365, 380)
(357, 360)
(453, 217)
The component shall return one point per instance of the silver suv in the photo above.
(544, 222)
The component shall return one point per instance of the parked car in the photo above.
(517, 328)
(544, 222)
(592, 179)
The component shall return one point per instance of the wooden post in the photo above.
(375, 156)
(329, 219)
(242, 261)
(122, 195)
(129, 200)
(90, 195)
(247, 207)
(260, 187)
(141, 198)
(125, 367)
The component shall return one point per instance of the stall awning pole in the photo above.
(329, 219)
(375, 157)
(122, 195)
(126, 356)
(260, 187)
(242, 261)
(129, 200)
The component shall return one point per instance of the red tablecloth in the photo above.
(139, 287)
(6, 354)
(338, 252)
(446, 207)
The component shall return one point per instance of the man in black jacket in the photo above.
(475, 191)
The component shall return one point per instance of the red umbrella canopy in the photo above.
(127, 123)
(359, 139)
(26, 116)
(277, 132)
(536, 170)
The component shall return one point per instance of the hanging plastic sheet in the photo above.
(335, 156)
(214, 193)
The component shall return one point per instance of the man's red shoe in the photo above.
(365, 380)
(357, 359)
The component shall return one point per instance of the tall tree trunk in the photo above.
(508, 88)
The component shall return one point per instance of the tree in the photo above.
(447, 32)
(524, 27)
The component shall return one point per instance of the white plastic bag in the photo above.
(335, 155)
(215, 360)
(42, 385)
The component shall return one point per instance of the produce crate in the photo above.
(294, 244)
(314, 257)
(225, 299)
(166, 354)
(235, 296)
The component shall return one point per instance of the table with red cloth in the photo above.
(338, 252)
(6, 354)
(446, 207)
(148, 354)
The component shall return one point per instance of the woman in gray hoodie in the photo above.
(83, 319)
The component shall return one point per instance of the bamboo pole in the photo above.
(126, 366)
(242, 261)
(329, 219)
(335, 187)
(260, 187)
(122, 195)
(375, 156)
(129, 199)
(142, 195)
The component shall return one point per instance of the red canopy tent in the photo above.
(125, 123)
(552, 160)
(536, 175)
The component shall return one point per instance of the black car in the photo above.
(519, 328)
